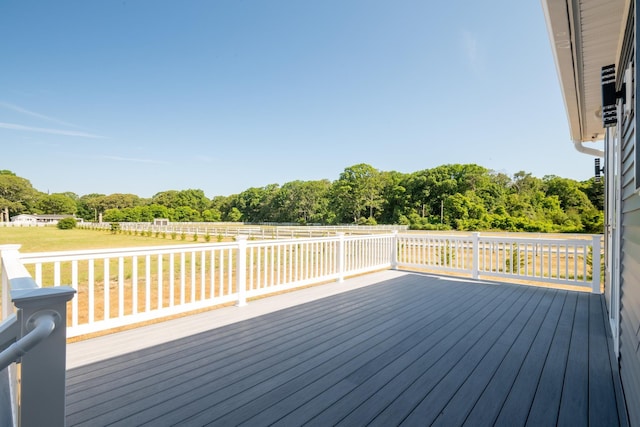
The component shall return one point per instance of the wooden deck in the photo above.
(384, 349)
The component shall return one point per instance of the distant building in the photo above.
(24, 219)
(161, 221)
(41, 219)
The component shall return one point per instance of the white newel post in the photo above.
(475, 238)
(595, 267)
(241, 270)
(394, 250)
(340, 255)
(34, 339)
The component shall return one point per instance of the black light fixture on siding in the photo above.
(609, 96)
(597, 169)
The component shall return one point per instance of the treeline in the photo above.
(457, 196)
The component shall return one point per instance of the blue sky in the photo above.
(142, 96)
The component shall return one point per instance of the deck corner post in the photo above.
(340, 257)
(394, 250)
(43, 369)
(595, 265)
(241, 267)
(475, 238)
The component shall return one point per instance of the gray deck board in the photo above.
(240, 336)
(380, 391)
(313, 382)
(546, 402)
(498, 367)
(405, 348)
(575, 390)
(602, 407)
(224, 366)
(504, 400)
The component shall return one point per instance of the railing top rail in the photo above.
(33, 257)
(369, 236)
(466, 237)
(527, 237)
(284, 242)
(17, 275)
(571, 241)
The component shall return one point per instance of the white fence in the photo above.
(20, 224)
(260, 231)
(118, 287)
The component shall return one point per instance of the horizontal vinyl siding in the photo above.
(630, 271)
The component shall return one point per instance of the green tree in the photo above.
(57, 203)
(211, 215)
(193, 198)
(395, 198)
(357, 191)
(234, 215)
(17, 195)
(185, 214)
(303, 202)
(595, 192)
(66, 223)
(88, 206)
(117, 201)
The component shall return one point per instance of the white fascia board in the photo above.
(562, 47)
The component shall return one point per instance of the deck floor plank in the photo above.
(499, 366)
(511, 403)
(224, 367)
(369, 408)
(461, 356)
(284, 368)
(575, 391)
(546, 402)
(359, 385)
(270, 405)
(476, 366)
(602, 399)
(237, 336)
(395, 348)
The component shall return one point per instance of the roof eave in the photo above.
(562, 46)
(585, 35)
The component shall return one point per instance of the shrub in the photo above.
(207, 237)
(115, 227)
(67, 223)
(195, 237)
(174, 235)
(183, 236)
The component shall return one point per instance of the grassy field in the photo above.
(47, 239)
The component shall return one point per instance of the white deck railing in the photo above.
(571, 261)
(149, 283)
(118, 287)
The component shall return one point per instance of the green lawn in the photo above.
(46, 239)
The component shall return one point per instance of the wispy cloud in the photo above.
(134, 160)
(14, 126)
(206, 159)
(18, 109)
(470, 49)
